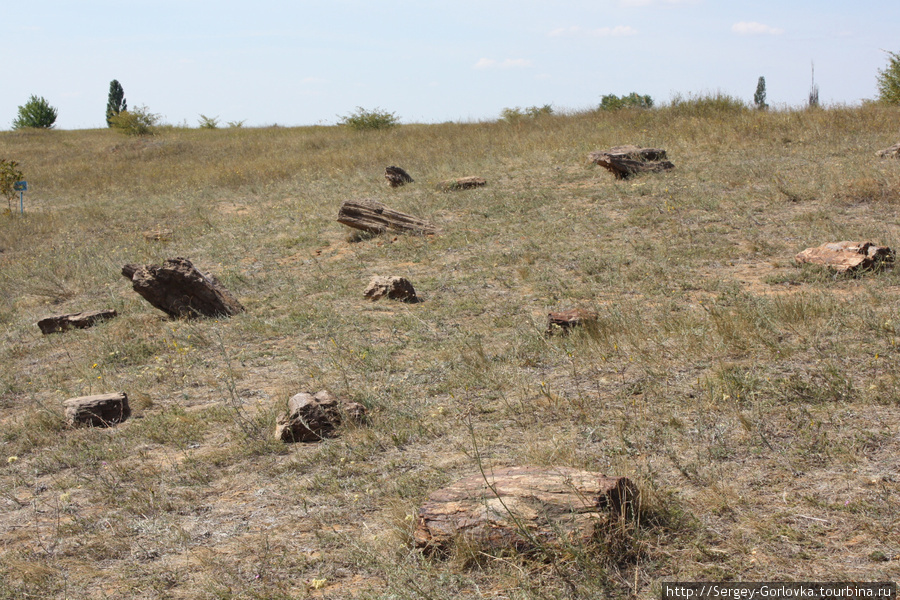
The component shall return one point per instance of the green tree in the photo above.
(37, 112)
(116, 102)
(889, 80)
(139, 121)
(632, 100)
(759, 98)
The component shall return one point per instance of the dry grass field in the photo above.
(755, 403)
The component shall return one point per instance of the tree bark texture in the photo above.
(374, 217)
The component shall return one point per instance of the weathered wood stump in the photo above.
(178, 289)
(102, 410)
(625, 161)
(892, 152)
(158, 235)
(397, 176)
(463, 183)
(374, 217)
(847, 256)
(310, 418)
(563, 321)
(519, 507)
(395, 288)
(80, 320)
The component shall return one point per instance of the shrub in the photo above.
(514, 115)
(889, 80)
(37, 112)
(209, 122)
(707, 104)
(9, 175)
(632, 100)
(139, 121)
(362, 119)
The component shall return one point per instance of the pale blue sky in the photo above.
(301, 63)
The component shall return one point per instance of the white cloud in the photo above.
(617, 31)
(754, 28)
(509, 63)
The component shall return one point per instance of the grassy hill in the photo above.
(755, 403)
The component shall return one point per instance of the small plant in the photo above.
(889, 80)
(632, 100)
(116, 102)
(139, 121)
(514, 115)
(759, 98)
(814, 90)
(209, 122)
(362, 119)
(36, 113)
(236, 124)
(9, 176)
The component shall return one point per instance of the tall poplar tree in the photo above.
(116, 102)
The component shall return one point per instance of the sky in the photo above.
(268, 62)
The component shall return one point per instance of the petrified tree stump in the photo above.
(81, 320)
(892, 152)
(562, 322)
(625, 161)
(847, 256)
(311, 418)
(463, 183)
(374, 217)
(178, 289)
(102, 410)
(519, 507)
(395, 288)
(397, 176)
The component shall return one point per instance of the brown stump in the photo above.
(625, 161)
(521, 507)
(178, 289)
(81, 320)
(847, 256)
(395, 288)
(374, 217)
(102, 410)
(463, 183)
(562, 322)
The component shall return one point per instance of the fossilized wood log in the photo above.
(81, 320)
(463, 183)
(375, 217)
(625, 161)
(178, 289)
(397, 176)
(395, 288)
(522, 507)
(102, 410)
(847, 256)
(562, 322)
(892, 152)
(311, 418)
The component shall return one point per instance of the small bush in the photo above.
(139, 121)
(209, 122)
(362, 119)
(514, 115)
(632, 100)
(9, 175)
(37, 112)
(889, 80)
(706, 104)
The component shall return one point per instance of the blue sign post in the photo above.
(21, 187)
